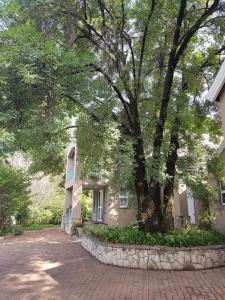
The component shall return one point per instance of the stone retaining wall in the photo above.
(155, 258)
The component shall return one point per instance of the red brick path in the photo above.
(50, 265)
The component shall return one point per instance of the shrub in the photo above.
(207, 221)
(188, 237)
(7, 229)
(17, 230)
(14, 193)
(55, 212)
(86, 206)
(40, 215)
(49, 212)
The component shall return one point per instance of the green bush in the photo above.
(49, 213)
(86, 206)
(7, 229)
(17, 230)
(14, 193)
(40, 215)
(189, 237)
(207, 221)
(56, 211)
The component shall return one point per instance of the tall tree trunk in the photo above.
(168, 199)
(160, 211)
(146, 217)
(2, 222)
(168, 195)
(149, 211)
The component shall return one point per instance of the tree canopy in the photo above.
(133, 72)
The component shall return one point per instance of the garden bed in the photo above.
(190, 237)
(158, 252)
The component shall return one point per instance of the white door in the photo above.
(100, 205)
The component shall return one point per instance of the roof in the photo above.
(217, 85)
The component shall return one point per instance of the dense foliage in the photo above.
(189, 237)
(14, 195)
(48, 212)
(86, 206)
(134, 74)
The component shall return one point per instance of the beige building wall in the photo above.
(217, 206)
(120, 216)
(73, 191)
(113, 214)
(222, 108)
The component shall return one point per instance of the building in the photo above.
(110, 206)
(217, 93)
(185, 205)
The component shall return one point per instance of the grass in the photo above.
(189, 237)
(39, 226)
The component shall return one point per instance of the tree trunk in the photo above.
(149, 215)
(168, 199)
(149, 211)
(2, 223)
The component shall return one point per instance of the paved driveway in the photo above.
(50, 265)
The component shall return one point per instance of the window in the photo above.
(100, 205)
(123, 196)
(94, 200)
(222, 192)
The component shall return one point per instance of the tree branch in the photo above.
(94, 117)
(80, 105)
(158, 137)
(144, 42)
(116, 90)
(206, 62)
(194, 28)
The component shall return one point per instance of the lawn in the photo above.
(39, 226)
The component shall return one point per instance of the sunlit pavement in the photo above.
(48, 264)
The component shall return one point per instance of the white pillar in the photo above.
(191, 206)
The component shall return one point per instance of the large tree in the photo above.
(132, 68)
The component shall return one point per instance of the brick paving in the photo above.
(50, 265)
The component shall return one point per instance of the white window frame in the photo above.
(100, 206)
(123, 197)
(222, 192)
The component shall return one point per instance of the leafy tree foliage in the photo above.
(86, 206)
(14, 194)
(132, 72)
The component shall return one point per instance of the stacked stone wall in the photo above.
(155, 258)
